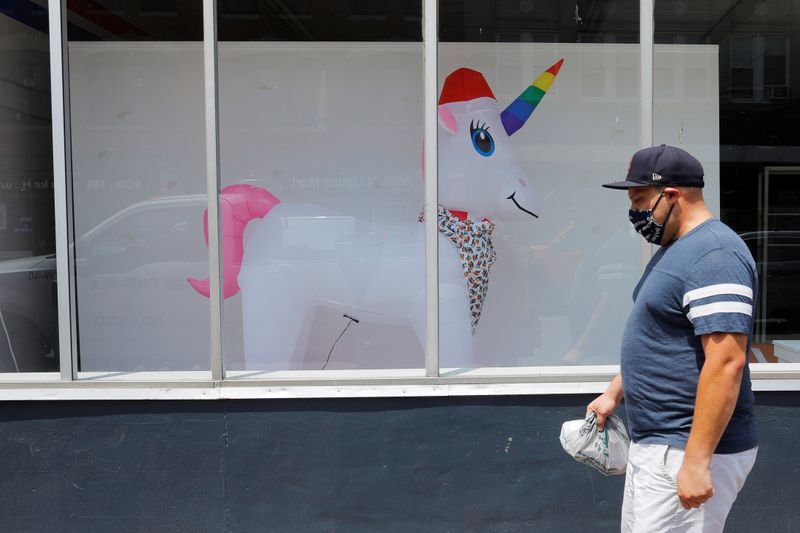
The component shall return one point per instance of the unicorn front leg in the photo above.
(455, 335)
(455, 322)
(455, 330)
(277, 305)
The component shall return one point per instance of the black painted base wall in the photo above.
(444, 464)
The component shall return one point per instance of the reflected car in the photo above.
(135, 309)
(28, 317)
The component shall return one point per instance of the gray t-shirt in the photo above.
(702, 283)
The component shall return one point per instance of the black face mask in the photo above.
(644, 223)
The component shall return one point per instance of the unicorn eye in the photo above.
(481, 138)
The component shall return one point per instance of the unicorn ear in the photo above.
(519, 111)
(447, 120)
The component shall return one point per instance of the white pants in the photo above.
(651, 503)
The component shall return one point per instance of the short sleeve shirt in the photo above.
(704, 282)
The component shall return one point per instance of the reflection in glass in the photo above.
(559, 284)
(305, 20)
(28, 307)
(539, 21)
(748, 73)
(320, 162)
(138, 184)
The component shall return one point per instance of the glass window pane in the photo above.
(741, 52)
(138, 183)
(744, 131)
(537, 261)
(321, 127)
(742, 83)
(28, 307)
(775, 46)
(304, 20)
(775, 61)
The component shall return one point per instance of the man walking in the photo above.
(683, 371)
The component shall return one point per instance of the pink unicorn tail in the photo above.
(238, 205)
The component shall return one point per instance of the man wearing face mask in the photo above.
(683, 371)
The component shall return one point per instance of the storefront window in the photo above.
(321, 191)
(546, 263)
(138, 183)
(321, 127)
(741, 70)
(28, 307)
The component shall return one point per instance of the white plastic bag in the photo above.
(606, 451)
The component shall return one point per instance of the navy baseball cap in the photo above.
(661, 166)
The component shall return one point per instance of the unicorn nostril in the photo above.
(523, 182)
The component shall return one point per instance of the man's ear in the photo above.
(673, 194)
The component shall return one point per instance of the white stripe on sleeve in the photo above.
(717, 290)
(720, 307)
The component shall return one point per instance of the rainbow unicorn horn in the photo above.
(520, 110)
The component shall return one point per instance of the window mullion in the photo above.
(430, 43)
(212, 183)
(646, 39)
(59, 101)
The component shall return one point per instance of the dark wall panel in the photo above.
(444, 464)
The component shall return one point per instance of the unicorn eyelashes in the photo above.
(482, 141)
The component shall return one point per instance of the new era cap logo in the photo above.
(656, 177)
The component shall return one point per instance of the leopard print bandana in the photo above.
(474, 243)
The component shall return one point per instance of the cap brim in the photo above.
(624, 184)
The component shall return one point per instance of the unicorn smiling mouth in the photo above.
(516, 203)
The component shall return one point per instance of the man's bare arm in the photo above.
(717, 392)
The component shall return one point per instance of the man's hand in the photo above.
(605, 404)
(695, 486)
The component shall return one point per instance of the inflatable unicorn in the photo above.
(480, 183)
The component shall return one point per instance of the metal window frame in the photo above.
(430, 44)
(646, 42)
(432, 381)
(646, 62)
(210, 70)
(62, 194)
(763, 198)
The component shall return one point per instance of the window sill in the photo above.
(343, 383)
